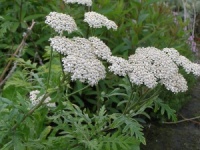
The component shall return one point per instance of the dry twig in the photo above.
(16, 53)
(184, 120)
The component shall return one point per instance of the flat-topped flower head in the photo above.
(155, 61)
(152, 66)
(62, 45)
(83, 48)
(176, 83)
(61, 22)
(85, 70)
(35, 99)
(172, 53)
(140, 73)
(188, 66)
(96, 20)
(101, 50)
(182, 61)
(82, 2)
(119, 66)
(75, 46)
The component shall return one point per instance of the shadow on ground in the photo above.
(180, 136)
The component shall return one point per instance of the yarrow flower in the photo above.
(140, 74)
(148, 66)
(183, 61)
(82, 2)
(62, 45)
(151, 65)
(155, 61)
(176, 83)
(172, 53)
(85, 70)
(101, 50)
(61, 22)
(78, 46)
(35, 99)
(119, 66)
(96, 20)
(83, 48)
(188, 65)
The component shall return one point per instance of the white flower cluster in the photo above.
(61, 22)
(84, 69)
(176, 83)
(172, 53)
(101, 50)
(35, 99)
(183, 61)
(83, 48)
(96, 20)
(62, 45)
(81, 54)
(140, 73)
(148, 66)
(87, 48)
(119, 66)
(82, 2)
(156, 62)
(151, 65)
(81, 60)
(75, 46)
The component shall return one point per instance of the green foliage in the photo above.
(118, 141)
(130, 126)
(164, 108)
(15, 18)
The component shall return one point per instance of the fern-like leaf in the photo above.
(164, 108)
(129, 126)
(117, 141)
(91, 144)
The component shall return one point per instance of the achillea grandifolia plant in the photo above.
(84, 65)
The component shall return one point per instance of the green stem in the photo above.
(50, 63)
(62, 65)
(128, 103)
(98, 97)
(130, 97)
(88, 9)
(140, 101)
(78, 91)
(143, 100)
(30, 112)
